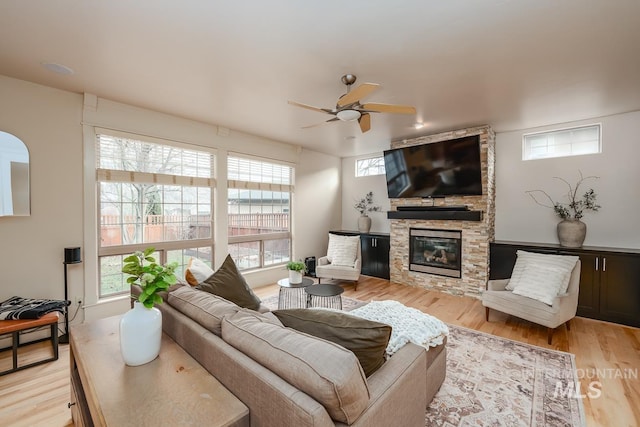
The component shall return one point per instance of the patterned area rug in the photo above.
(492, 381)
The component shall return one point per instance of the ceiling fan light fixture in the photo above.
(348, 115)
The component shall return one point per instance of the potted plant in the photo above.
(364, 206)
(571, 230)
(141, 327)
(296, 269)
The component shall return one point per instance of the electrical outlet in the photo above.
(77, 300)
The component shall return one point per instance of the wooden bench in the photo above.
(15, 327)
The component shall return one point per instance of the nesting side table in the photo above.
(327, 296)
(292, 295)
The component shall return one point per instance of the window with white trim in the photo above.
(562, 143)
(259, 212)
(151, 194)
(370, 166)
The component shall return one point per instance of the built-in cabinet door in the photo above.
(383, 246)
(375, 255)
(620, 288)
(589, 294)
(368, 255)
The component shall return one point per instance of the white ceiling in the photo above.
(510, 64)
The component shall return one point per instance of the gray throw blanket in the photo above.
(28, 308)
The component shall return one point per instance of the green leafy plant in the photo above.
(576, 206)
(152, 277)
(296, 266)
(365, 204)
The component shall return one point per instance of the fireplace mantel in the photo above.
(436, 214)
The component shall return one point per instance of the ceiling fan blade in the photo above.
(365, 122)
(390, 108)
(310, 107)
(320, 124)
(357, 94)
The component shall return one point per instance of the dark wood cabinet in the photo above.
(609, 278)
(375, 252)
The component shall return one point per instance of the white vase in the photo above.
(295, 277)
(364, 224)
(140, 334)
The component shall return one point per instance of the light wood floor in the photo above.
(38, 396)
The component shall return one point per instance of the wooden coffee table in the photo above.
(171, 390)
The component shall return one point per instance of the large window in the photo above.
(259, 200)
(151, 194)
(561, 143)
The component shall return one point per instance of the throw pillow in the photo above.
(343, 250)
(197, 272)
(325, 371)
(333, 242)
(205, 308)
(366, 339)
(540, 282)
(229, 284)
(524, 258)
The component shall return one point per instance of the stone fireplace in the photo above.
(458, 240)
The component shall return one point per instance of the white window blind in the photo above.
(151, 194)
(562, 143)
(259, 212)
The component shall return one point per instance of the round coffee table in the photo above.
(292, 295)
(324, 296)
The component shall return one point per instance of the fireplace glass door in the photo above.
(435, 251)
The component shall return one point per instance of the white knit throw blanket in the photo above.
(408, 324)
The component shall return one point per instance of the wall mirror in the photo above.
(14, 176)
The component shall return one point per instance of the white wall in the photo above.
(518, 218)
(32, 247)
(317, 203)
(355, 188)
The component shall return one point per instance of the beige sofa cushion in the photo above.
(325, 371)
(205, 308)
(365, 338)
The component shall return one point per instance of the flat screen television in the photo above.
(438, 169)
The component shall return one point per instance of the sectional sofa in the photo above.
(289, 378)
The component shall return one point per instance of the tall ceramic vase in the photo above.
(364, 224)
(571, 233)
(140, 334)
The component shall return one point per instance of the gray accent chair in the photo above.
(562, 310)
(326, 270)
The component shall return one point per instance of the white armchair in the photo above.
(562, 310)
(328, 267)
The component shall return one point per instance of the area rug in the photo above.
(492, 381)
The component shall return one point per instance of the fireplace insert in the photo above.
(435, 251)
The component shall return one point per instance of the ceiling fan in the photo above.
(349, 108)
